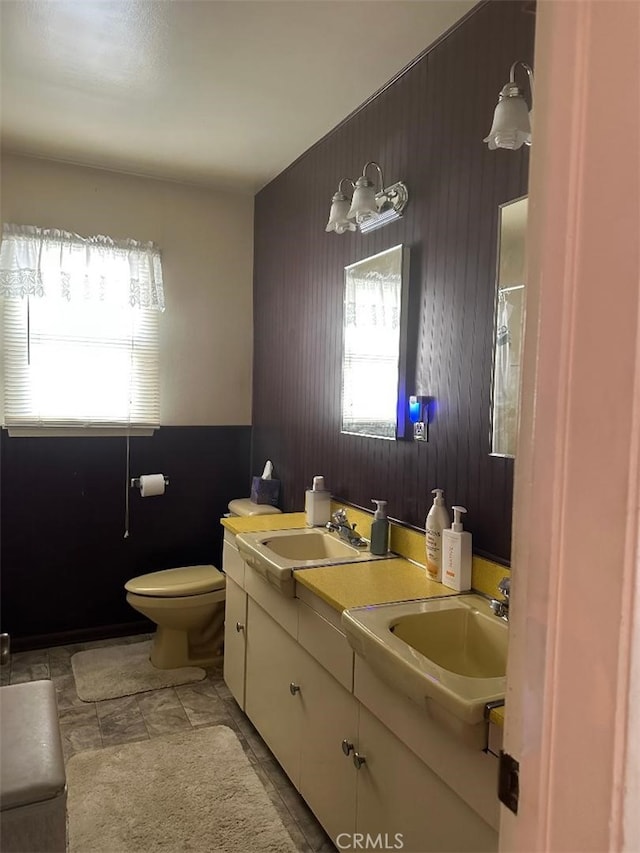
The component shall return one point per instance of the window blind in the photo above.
(80, 323)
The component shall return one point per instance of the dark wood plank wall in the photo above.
(63, 556)
(426, 129)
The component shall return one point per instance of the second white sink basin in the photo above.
(447, 654)
(276, 554)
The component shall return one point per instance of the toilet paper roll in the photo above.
(151, 484)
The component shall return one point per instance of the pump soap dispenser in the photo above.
(437, 520)
(456, 554)
(379, 530)
(317, 504)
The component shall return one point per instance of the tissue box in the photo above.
(265, 491)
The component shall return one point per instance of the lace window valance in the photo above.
(46, 261)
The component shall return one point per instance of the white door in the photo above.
(235, 627)
(273, 698)
(400, 797)
(573, 680)
(327, 775)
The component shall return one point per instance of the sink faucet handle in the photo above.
(340, 516)
(505, 587)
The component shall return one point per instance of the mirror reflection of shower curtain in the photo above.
(507, 372)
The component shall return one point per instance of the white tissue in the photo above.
(151, 484)
(268, 470)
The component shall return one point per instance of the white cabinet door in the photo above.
(397, 794)
(273, 692)
(235, 630)
(327, 775)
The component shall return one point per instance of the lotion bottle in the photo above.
(456, 554)
(379, 530)
(437, 520)
(317, 504)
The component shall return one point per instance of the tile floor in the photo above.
(92, 725)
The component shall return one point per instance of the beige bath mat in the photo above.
(192, 791)
(114, 671)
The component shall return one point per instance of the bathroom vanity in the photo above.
(365, 758)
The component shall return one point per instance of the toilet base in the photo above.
(172, 648)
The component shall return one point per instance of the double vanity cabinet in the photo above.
(365, 758)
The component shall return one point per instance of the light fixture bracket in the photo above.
(511, 89)
(391, 203)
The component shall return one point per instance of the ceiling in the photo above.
(225, 94)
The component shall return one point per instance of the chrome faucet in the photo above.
(501, 608)
(340, 524)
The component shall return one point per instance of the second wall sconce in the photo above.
(369, 207)
(512, 119)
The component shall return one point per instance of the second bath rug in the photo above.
(114, 671)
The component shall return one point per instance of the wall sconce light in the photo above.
(421, 412)
(369, 207)
(512, 120)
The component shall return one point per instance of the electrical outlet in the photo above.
(420, 431)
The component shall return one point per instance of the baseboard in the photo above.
(82, 635)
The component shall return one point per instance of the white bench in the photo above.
(33, 790)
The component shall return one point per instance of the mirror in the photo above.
(374, 345)
(508, 326)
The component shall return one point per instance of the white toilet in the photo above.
(187, 605)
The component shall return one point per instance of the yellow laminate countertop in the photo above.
(260, 523)
(497, 716)
(377, 582)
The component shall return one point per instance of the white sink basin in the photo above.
(310, 545)
(276, 554)
(448, 654)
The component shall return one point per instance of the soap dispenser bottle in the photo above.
(456, 554)
(379, 530)
(437, 521)
(317, 504)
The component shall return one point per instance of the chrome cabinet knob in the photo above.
(294, 688)
(347, 746)
(239, 627)
(358, 760)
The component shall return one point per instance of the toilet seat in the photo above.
(175, 583)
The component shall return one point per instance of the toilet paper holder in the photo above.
(136, 484)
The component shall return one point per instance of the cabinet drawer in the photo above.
(232, 563)
(283, 610)
(326, 644)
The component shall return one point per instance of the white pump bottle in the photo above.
(437, 520)
(456, 554)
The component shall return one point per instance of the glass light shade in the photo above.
(511, 126)
(338, 217)
(363, 204)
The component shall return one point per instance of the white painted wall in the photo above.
(206, 237)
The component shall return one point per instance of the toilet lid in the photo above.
(187, 580)
(245, 506)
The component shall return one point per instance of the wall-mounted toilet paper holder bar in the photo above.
(136, 484)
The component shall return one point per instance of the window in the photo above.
(80, 331)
